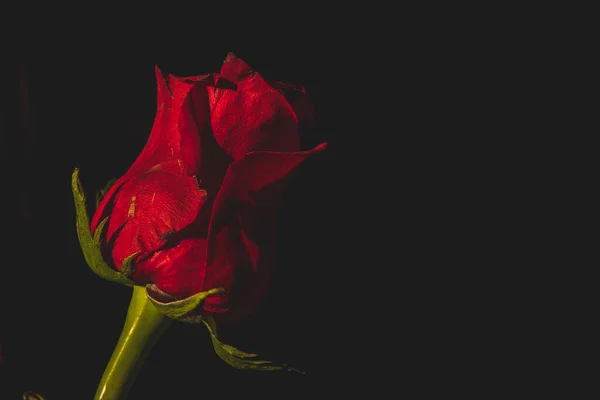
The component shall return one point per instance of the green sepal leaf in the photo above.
(128, 267)
(178, 309)
(98, 232)
(237, 358)
(90, 246)
(100, 194)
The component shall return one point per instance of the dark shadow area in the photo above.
(394, 261)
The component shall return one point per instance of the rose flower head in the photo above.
(194, 215)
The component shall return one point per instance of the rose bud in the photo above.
(193, 219)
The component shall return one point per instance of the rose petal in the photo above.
(164, 141)
(234, 69)
(241, 231)
(253, 117)
(298, 98)
(175, 270)
(150, 208)
(209, 159)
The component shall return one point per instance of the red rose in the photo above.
(196, 209)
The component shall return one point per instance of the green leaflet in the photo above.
(237, 358)
(100, 194)
(91, 246)
(128, 267)
(178, 309)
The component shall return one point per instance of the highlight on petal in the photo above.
(150, 208)
(175, 269)
(252, 117)
(163, 94)
(194, 125)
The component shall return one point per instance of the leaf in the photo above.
(237, 358)
(98, 232)
(128, 267)
(100, 194)
(90, 246)
(178, 309)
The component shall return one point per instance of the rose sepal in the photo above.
(189, 310)
(237, 358)
(179, 309)
(100, 194)
(90, 245)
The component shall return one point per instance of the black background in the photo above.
(92, 107)
(392, 259)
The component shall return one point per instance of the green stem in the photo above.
(143, 326)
